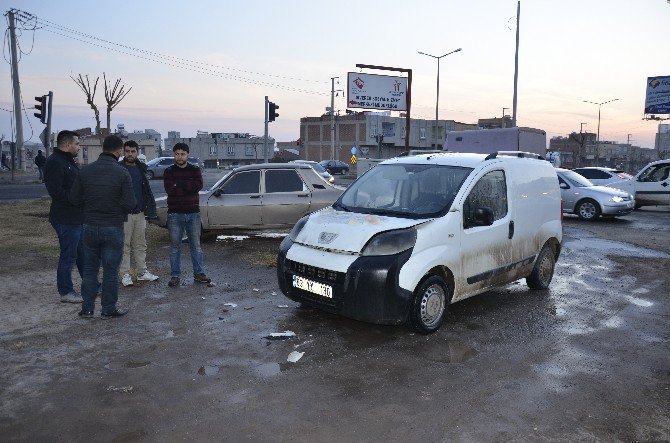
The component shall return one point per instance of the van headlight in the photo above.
(297, 228)
(390, 242)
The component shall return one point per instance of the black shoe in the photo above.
(201, 278)
(86, 314)
(174, 281)
(116, 313)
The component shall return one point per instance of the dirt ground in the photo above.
(585, 360)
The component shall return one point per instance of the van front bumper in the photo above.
(368, 291)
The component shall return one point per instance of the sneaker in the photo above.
(127, 280)
(174, 281)
(115, 313)
(201, 278)
(86, 314)
(147, 276)
(71, 297)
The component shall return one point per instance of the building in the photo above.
(495, 122)
(222, 149)
(580, 150)
(374, 134)
(91, 144)
(662, 143)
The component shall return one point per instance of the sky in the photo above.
(208, 64)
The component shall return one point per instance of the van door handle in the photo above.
(511, 229)
(254, 196)
(303, 195)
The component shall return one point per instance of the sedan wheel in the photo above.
(588, 210)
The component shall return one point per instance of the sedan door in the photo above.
(568, 195)
(237, 202)
(286, 197)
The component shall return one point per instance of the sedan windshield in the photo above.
(404, 190)
(577, 180)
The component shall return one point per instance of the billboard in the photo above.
(658, 95)
(372, 91)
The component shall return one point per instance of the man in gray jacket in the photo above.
(106, 191)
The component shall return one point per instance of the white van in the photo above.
(650, 186)
(415, 234)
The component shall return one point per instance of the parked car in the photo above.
(156, 167)
(417, 233)
(335, 166)
(270, 195)
(603, 176)
(318, 168)
(651, 186)
(588, 201)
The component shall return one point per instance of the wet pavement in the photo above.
(585, 360)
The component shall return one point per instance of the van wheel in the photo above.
(588, 210)
(543, 271)
(430, 305)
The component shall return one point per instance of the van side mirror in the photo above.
(482, 217)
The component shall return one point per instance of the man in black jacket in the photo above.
(134, 228)
(40, 160)
(106, 191)
(60, 172)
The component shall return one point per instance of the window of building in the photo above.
(283, 180)
(231, 150)
(243, 183)
(250, 151)
(213, 151)
(489, 192)
(422, 133)
(373, 131)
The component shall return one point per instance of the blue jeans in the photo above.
(71, 252)
(177, 224)
(102, 244)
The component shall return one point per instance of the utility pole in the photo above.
(47, 145)
(628, 143)
(16, 87)
(265, 140)
(332, 117)
(516, 63)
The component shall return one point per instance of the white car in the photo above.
(415, 234)
(603, 176)
(650, 186)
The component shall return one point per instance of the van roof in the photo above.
(467, 160)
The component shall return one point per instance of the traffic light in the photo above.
(272, 111)
(41, 107)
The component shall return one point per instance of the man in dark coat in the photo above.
(105, 190)
(40, 160)
(60, 172)
(134, 228)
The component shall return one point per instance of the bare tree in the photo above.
(113, 96)
(90, 95)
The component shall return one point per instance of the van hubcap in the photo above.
(432, 305)
(546, 268)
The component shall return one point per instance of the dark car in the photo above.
(335, 166)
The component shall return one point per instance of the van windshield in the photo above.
(404, 190)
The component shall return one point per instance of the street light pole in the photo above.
(437, 100)
(598, 136)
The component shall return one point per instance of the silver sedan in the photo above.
(270, 195)
(589, 201)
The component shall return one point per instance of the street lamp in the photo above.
(598, 136)
(437, 101)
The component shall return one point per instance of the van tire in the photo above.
(429, 307)
(588, 209)
(543, 271)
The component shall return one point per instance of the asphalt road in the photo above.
(586, 360)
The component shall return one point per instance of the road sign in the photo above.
(353, 150)
(372, 91)
(353, 159)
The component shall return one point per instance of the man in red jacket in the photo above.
(183, 182)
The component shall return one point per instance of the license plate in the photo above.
(313, 287)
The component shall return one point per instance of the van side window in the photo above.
(489, 192)
(655, 173)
